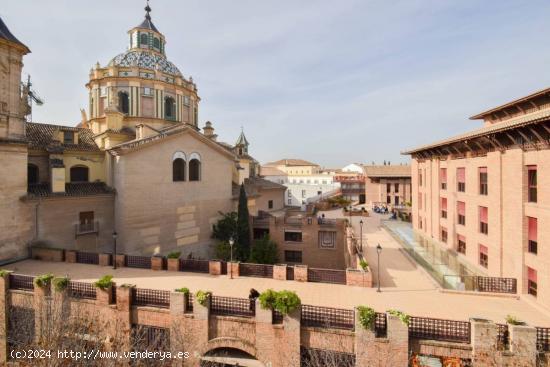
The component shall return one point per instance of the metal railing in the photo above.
(327, 317)
(230, 306)
(439, 329)
(151, 297)
(87, 258)
(276, 317)
(295, 221)
(82, 290)
(326, 276)
(503, 337)
(194, 265)
(322, 357)
(189, 303)
(89, 227)
(142, 262)
(381, 325)
(21, 282)
(150, 338)
(256, 270)
(496, 285)
(543, 339)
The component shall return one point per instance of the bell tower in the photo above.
(16, 224)
(13, 104)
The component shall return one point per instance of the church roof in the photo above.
(8, 36)
(241, 140)
(71, 189)
(147, 23)
(145, 60)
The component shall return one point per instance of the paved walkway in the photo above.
(420, 300)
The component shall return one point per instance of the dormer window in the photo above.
(68, 137)
(144, 40)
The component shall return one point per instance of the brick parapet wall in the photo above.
(275, 344)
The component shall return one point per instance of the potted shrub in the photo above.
(173, 260)
(286, 302)
(405, 319)
(512, 320)
(43, 282)
(183, 290)
(60, 283)
(203, 297)
(104, 285)
(364, 265)
(367, 317)
(267, 299)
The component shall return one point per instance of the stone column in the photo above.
(364, 343)
(4, 315)
(266, 341)
(198, 327)
(300, 273)
(124, 314)
(104, 297)
(523, 344)
(215, 267)
(120, 260)
(484, 335)
(70, 256)
(233, 267)
(177, 327)
(61, 303)
(290, 345)
(104, 259)
(157, 262)
(279, 271)
(173, 264)
(398, 337)
(42, 310)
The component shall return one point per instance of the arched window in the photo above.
(123, 102)
(169, 108)
(195, 167)
(32, 174)
(144, 40)
(156, 43)
(178, 167)
(79, 174)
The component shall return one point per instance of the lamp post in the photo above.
(378, 251)
(361, 234)
(114, 249)
(231, 243)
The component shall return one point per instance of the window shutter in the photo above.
(461, 175)
(461, 208)
(532, 223)
(443, 203)
(532, 274)
(443, 175)
(483, 214)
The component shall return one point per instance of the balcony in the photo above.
(86, 228)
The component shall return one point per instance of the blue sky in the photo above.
(333, 82)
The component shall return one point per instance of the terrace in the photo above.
(423, 300)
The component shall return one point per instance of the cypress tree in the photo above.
(243, 227)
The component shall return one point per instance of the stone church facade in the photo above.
(137, 165)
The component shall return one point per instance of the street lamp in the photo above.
(115, 235)
(231, 243)
(378, 251)
(361, 234)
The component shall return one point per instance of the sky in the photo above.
(333, 82)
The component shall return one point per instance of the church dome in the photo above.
(145, 60)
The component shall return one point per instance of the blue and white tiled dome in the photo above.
(145, 60)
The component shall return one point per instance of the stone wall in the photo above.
(179, 214)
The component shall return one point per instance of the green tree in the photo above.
(243, 228)
(226, 227)
(264, 251)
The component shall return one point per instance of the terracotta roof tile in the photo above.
(388, 171)
(291, 162)
(71, 189)
(41, 136)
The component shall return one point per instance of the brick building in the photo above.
(485, 193)
(388, 184)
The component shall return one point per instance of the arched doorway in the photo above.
(229, 357)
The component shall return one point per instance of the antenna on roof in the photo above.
(32, 96)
